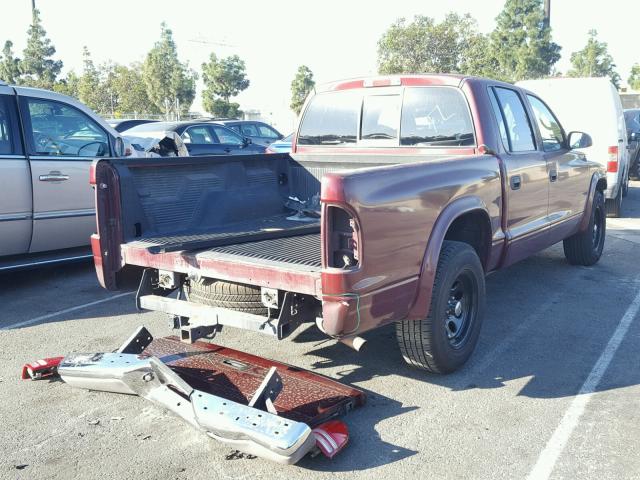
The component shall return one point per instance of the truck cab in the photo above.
(47, 144)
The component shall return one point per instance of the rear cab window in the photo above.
(429, 116)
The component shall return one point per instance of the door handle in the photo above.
(515, 181)
(228, 150)
(553, 175)
(53, 177)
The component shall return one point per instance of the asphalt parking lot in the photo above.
(553, 390)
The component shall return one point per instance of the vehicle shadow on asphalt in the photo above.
(546, 322)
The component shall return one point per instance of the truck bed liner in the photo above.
(276, 226)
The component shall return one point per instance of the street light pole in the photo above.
(547, 13)
(33, 6)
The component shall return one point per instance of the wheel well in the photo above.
(601, 186)
(473, 228)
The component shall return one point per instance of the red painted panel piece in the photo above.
(331, 437)
(306, 397)
(47, 367)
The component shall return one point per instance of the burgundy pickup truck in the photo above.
(400, 195)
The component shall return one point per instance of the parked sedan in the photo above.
(281, 146)
(201, 138)
(632, 120)
(258, 132)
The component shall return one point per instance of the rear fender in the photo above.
(597, 178)
(460, 206)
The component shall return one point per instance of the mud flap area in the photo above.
(258, 406)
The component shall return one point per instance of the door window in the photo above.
(550, 129)
(227, 136)
(200, 135)
(268, 132)
(249, 130)
(519, 132)
(6, 134)
(58, 129)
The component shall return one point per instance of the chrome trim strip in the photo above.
(12, 157)
(9, 217)
(44, 262)
(64, 158)
(65, 214)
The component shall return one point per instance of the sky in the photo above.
(335, 38)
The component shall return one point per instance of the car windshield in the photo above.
(151, 127)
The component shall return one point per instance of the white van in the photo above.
(592, 105)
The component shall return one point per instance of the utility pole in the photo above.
(547, 13)
(33, 6)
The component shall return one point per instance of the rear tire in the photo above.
(626, 186)
(614, 205)
(585, 248)
(234, 296)
(444, 341)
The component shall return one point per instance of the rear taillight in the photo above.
(343, 248)
(612, 163)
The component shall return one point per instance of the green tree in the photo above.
(634, 78)
(168, 81)
(90, 86)
(301, 85)
(594, 60)
(521, 42)
(129, 90)
(69, 85)
(9, 65)
(37, 67)
(424, 45)
(223, 78)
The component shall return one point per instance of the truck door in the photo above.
(527, 180)
(568, 170)
(15, 180)
(62, 141)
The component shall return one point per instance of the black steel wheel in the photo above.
(444, 340)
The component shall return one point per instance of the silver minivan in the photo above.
(48, 142)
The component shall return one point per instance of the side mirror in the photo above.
(119, 144)
(246, 141)
(579, 140)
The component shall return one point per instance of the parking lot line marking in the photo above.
(33, 321)
(549, 456)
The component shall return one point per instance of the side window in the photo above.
(249, 130)
(550, 129)
(267, 132)
(435, 117)
(198, 135)
(227, 137)
(380, 117)
(500, 120)
(6, 134)
(58, 129)
(519, 131)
